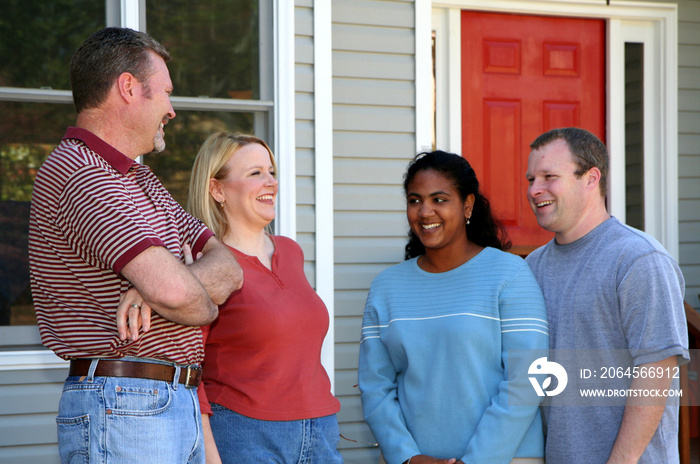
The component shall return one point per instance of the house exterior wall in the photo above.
(373, 139)
(29, 400)
(304, 130)
(689, 146)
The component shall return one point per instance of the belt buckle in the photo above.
(190, 374)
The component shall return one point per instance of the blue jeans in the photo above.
(243, 439)
(127, 420)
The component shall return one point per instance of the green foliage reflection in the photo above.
(28, 133)
(183, 137)
(38, 38)
(214, 45)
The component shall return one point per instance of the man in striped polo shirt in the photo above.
(106, 238)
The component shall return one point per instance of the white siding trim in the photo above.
(284, 116)
(424, 84)
(578, 8)
(448, 124)
(625, 19)
(30, 360)
(615, 115)
(667, 109)
(130, 14)
(660, 40)
(323, 174)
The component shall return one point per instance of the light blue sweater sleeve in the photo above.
(379, 388)
(509, 417)
(380, 395)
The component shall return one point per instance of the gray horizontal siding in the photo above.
(370, 224)
(304, 77)
(304, 134)
(373, 13)
(388, 92)
(348, 145)
(689, 100)
(374, 39)
(387, 250)
(304, 105)
(359, 455)
(372, 65)
(379, 171)
(689, 146)
(357, 118)
(305, 220)
(30, 454)
(374, 137)
(350, 303)
(28, 406)
(378, 198)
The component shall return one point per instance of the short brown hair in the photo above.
(104, 56)
(587, 149)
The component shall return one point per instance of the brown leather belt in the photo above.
(190, 376)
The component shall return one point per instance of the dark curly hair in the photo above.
(484, 229)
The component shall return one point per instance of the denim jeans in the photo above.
(127, 420)
(243, 439)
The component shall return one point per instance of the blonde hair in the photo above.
(210, 163)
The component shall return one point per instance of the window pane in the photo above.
(634, 134)
(183, 137)
(26, 139)
(38, 38)
(215, 46)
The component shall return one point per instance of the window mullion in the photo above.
(35, 95)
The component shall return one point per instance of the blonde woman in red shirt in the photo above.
(265, 396)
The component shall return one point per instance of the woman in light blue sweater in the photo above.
(449, 334)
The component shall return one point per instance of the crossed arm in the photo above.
(184, 293)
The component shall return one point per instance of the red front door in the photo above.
(521, 76)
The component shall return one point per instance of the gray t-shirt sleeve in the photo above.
(650, 294)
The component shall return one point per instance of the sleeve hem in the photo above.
(134, 251)
(201, 241)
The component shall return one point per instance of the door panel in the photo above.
(521, 76)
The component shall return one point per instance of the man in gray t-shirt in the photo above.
(609, 289)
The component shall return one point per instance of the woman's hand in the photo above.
(423, 459)
(211, 452)
(187, 254)
(133, 313)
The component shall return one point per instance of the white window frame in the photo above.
(276, 110)
(653, 24)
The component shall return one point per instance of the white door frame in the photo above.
(653, 24)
